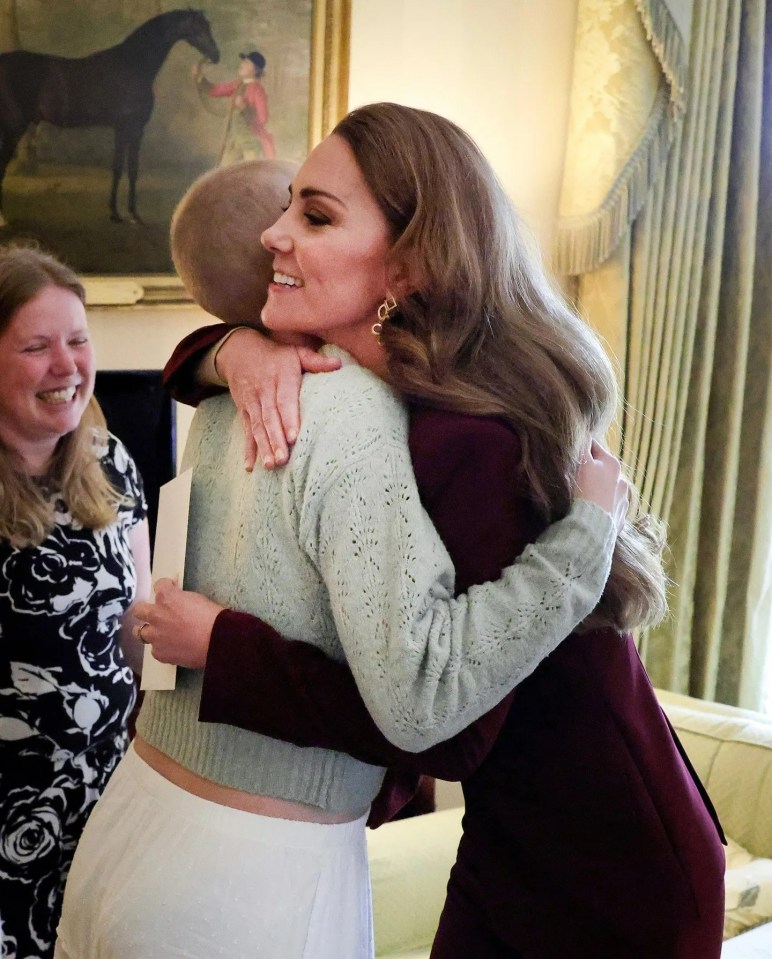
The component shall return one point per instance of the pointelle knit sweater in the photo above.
(336, 549)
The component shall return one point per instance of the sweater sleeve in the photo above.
(256, 679)
(179, 374)
(428, 664)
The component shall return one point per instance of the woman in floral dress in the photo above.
(74, 554)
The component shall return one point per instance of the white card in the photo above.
(171, 535)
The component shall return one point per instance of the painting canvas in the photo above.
(109, 109)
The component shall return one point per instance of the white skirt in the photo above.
(160, 873)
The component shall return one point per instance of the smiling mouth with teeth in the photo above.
(58, 396)
(283, 279)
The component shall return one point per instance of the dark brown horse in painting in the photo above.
(111, 88)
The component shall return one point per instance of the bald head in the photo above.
(215, 237)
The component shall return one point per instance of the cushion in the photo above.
(731, 749)
(410, 862)
(748, 890)
(756, 944)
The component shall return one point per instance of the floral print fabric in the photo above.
(65, 696)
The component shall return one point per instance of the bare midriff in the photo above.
(235, 798)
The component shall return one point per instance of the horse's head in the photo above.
(194, 27)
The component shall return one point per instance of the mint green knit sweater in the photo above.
(336, 549)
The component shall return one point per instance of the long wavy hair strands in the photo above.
(487, 333)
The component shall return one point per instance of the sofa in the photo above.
(731, 749)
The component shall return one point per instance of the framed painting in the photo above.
(109, 109)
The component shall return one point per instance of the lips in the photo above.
(58, 397)
(284, 279)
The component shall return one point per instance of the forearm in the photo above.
(435, 663)
(181, 373)
(257, 680)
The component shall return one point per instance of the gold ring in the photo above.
(139, 631)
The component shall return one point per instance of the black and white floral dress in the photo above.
(65, 695)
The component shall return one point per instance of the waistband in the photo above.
(265, 829)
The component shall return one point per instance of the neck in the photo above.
(376, 361)
(366, 349)
(34, 459)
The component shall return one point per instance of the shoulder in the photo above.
(120, 468)
(113, 454)
(353, 435)
(351, 402)
(448, 427)
(443, 442)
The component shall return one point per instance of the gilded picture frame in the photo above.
(300, 51)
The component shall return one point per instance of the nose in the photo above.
(276, 239)
(63, 362)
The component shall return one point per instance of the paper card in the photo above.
(171, 536)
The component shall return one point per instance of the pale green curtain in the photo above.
(684, 300)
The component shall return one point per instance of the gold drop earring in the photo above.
(385, 310)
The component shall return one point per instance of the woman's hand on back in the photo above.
(264, 379)
(600, 480)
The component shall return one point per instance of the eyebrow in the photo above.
(310, 191)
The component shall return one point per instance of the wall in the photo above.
(499, 68)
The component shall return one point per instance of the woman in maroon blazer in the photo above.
(587, 834)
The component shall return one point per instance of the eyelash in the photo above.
(315, 219)
(38, 348)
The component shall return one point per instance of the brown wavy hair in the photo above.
(486, 332)
(26, 515)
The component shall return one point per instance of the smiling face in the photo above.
(330, 254)
(47, 370)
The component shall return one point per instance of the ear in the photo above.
(403, 278)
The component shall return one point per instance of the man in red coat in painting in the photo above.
(249, 109)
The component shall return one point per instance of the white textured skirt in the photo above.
(160, 874)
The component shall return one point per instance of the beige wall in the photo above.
(499, 68)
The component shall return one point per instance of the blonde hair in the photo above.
(486, 332)
(215, 237)
(26, 513)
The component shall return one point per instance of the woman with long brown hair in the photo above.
(74, 554)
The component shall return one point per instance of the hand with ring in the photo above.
(182, 624)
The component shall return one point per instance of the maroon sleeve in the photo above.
(179, 373)
(467, 470)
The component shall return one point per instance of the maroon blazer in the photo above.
(587, 834)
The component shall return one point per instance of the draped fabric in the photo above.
(627, 99)
(684, 300)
